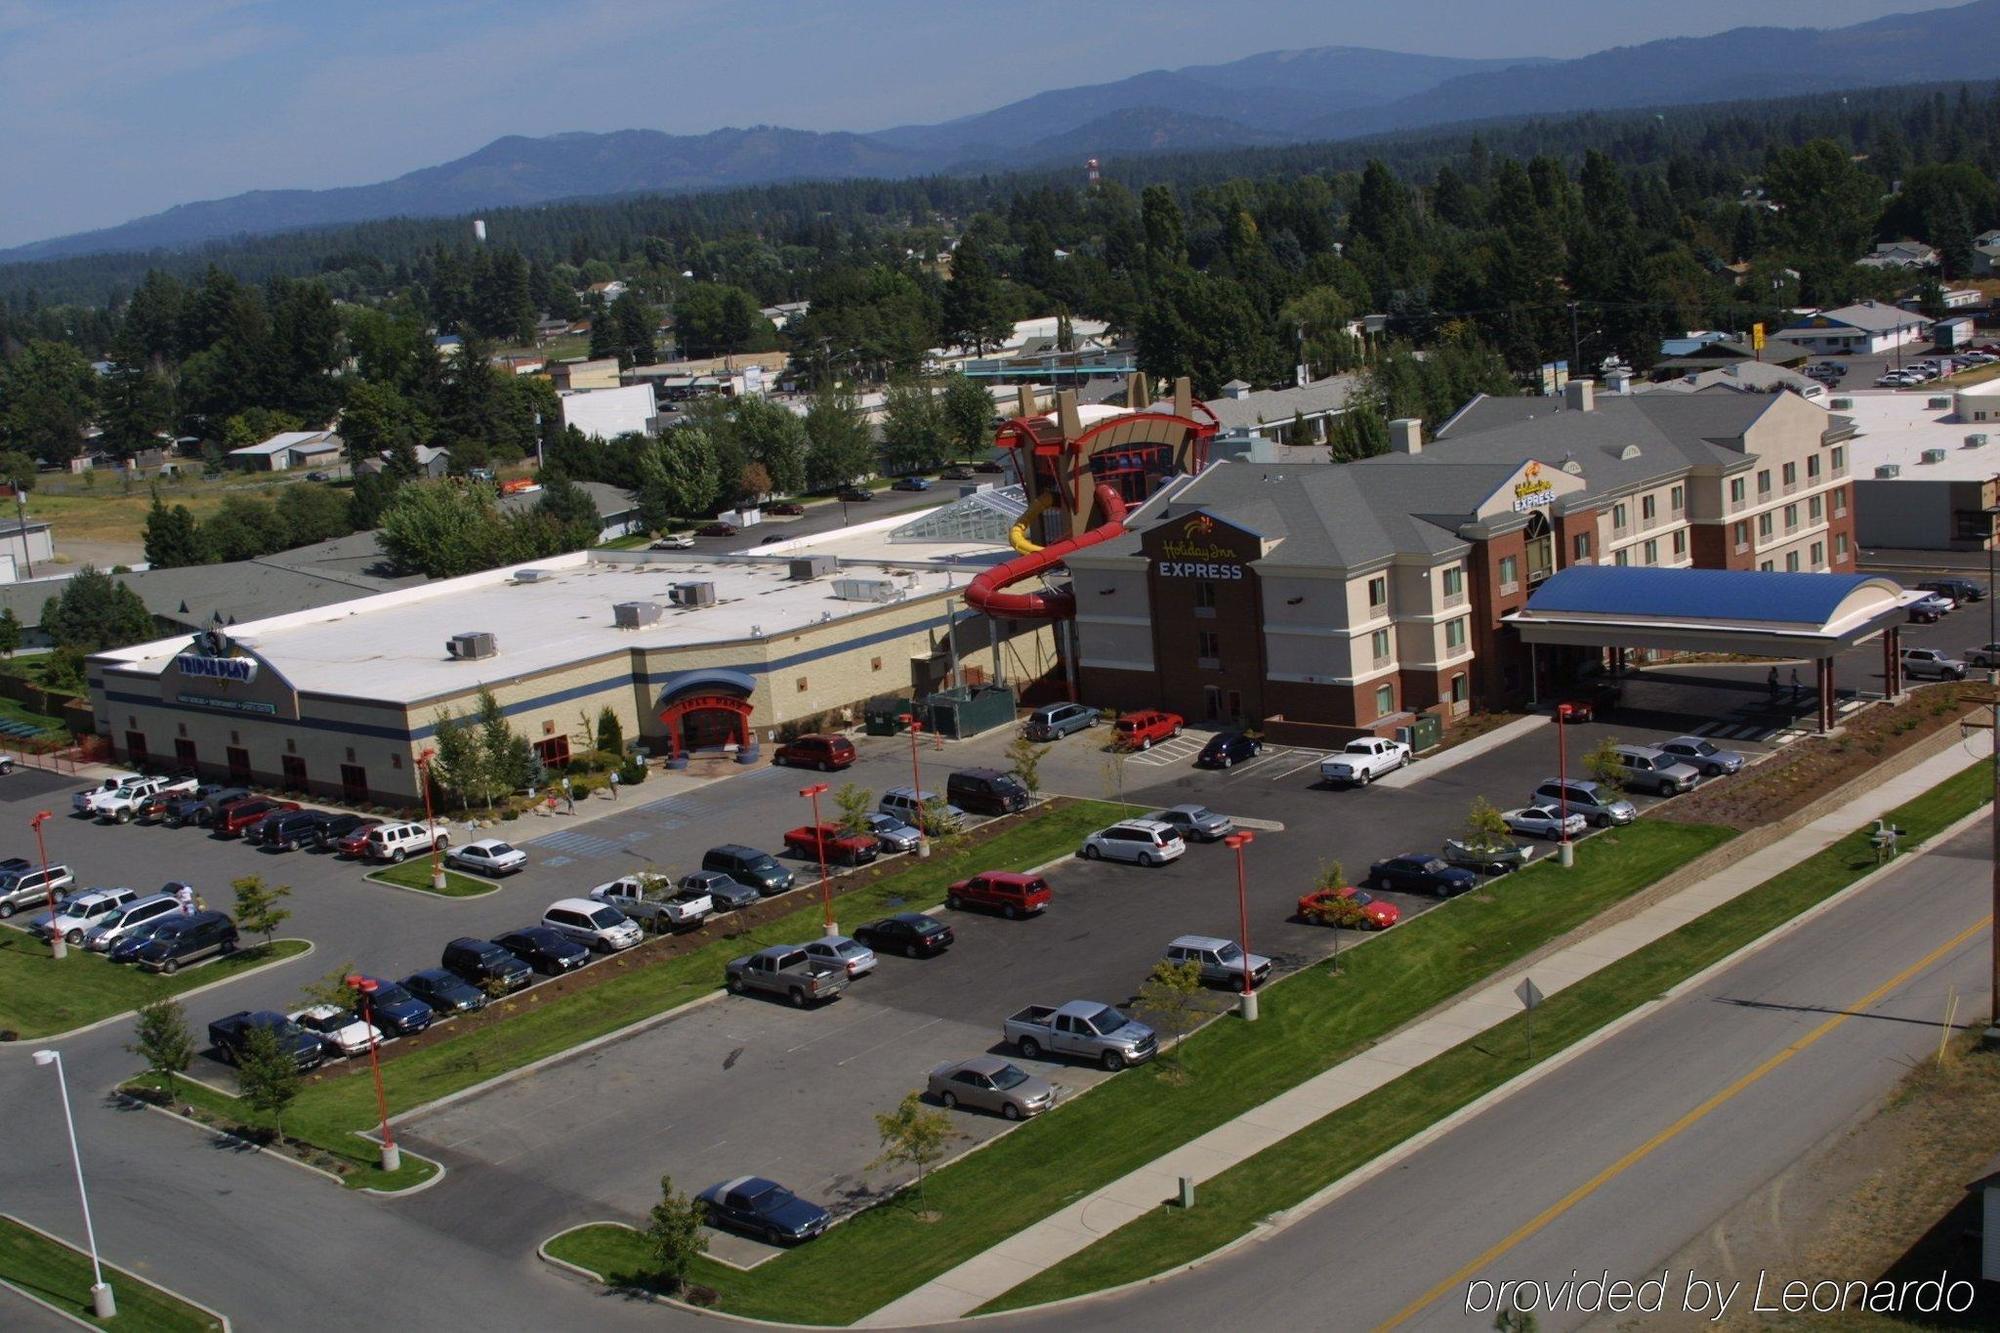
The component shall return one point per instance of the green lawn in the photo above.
(13, 711)
(416, 874)
(39, 995)
(330, 1113)
(1310, 1021)
(60, 1275)
(1281, 1176)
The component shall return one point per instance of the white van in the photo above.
(600, 926)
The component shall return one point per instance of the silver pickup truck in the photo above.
(654, 902)
(1081, 1028)
(785, 969)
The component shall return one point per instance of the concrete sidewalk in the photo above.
(1062, 1234)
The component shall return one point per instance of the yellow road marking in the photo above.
(1673, 1131)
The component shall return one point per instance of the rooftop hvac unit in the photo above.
(1932, 456)
(1888, 472)
(692, 594)
(1975, 441)
(865, 590)
(633, 615)
(533, 575)
(1939, 405)
(813, 566)
(1842, 404)
(471, 646)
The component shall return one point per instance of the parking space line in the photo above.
(889, 1041)
(1312, 762)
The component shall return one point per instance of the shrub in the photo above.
(1327, 907)
(632, 772)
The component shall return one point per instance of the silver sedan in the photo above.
(840, 951)
(989, 1083)
(1705, 756)
(1196, 823)
(1544, 821)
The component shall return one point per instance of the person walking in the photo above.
(1798, 688)
(1772, 682)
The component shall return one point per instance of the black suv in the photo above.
(747, 865)
(545, 950)
(1228, 747)
(1959, 590)
(285, 829)
(986, 791)
(482, 962)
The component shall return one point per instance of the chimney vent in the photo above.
(1406, 435)
(1580, 395)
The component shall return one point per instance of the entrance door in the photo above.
(239, 765)
(709, 729)
(1211, 702)
(135, 748)
(295, 772)
(354, 784)
(185, 756)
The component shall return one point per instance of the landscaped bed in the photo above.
(39, 995)
(1310, 1022)
(416, 874)
(60, 1275)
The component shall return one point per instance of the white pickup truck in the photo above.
(1364, 760)
(121, 804)
(653, 901)
(85, 801)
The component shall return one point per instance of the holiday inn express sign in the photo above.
(1201, 548)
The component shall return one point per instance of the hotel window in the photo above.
(1461, 688)
(1204, 595)
(1839, 501)
(1791, 517)
(1839, 457)
(1652, 552)
(1742, 531)
(1764, 527)
(1208, 646)
(1736, 490)
(1764, 484)
(1647, 509)
(1378, 592)
(1680, 544)
(1814, 507)
(1839, 548)
(1818, 554)
(1454, 583)
(1812, 468)
(1620, 518)
(1378, 645)
(1677, 499)
(1582, 546)
(1454, 635)
(1791, 474)
(1510, 573)
(1385, 700)
(1764, 565)
(1791, 562)
(1621, 558)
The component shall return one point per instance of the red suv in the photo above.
(232, 819)
(825, 753)
(1138, 731)
(1011, 894)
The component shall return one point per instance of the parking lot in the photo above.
(743, 1085)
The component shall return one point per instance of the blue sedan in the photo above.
(764, 1209)
(1421, 873)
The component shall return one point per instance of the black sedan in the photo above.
(1420, 872)
(1228, 747)
(764, 1209)
(909, 933)
(444, 992)
(854, 494)
(544, 950)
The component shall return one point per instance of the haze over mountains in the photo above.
(1326, 92)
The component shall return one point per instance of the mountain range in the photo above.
(1330, 92)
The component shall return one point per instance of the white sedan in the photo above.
(488, 856)
(341, 1031)
(674, 541)
(1544, 821)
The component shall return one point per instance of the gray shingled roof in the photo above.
(1871, 316)
(1280, 405)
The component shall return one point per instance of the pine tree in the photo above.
(172, 539)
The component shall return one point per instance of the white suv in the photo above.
(85, 910)
(393, 842)
(1934, 663)
(1145, 841)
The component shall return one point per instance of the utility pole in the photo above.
(1575, 344)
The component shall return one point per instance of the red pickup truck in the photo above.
(232, 819)
(846, 849)
(1012, 895)
(1139, 730)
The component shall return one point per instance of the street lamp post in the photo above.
(392, 1156)
(916, 726)
(1566, 853)
(1236, 842)
(430, 819)
(57, 948)
(102, 1302)
(819, 841)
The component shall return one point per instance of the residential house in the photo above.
(431, 462)
(1245, 414)
(608, 291)
(1866, 328)
(1716, 351)
(1900, 254)
(290, 449)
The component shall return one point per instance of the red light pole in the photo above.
(1236, 842)
(56, 947)
(430, 820)
(1566, 854)
(916, 726)
(819, 842)
(392, 1156)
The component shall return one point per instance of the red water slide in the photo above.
(984, 593)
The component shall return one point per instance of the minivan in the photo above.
(393, 842)
(747, 865)
(920, 809)
(598, 926)
(1656, 771)
(1146, 841)
(1594, 801)
(178, 942)
(825, 753)
(116, 925)
(30, 886)
(986, 791)
(1052, 722)
(483, 963)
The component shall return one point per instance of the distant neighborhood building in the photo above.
(605, 414)
(1715, 351)
(599, 374)
(289, 449)
(785, 312)
(1986, 254)
(25, 546)
(1900, 254)
(431, 462)
(609, 291)
(1271, 414)
(1866, 328)
(447, 345)
(1741, 376)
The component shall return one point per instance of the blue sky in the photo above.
(110, 109)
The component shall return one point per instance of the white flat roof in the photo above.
(392, 646)
(1897, 426)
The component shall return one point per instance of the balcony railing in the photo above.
(1383, 659)
(1619, 530)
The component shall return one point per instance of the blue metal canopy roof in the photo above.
(1695, 594)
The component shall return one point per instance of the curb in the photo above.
(307, 952)
(1526, 1078)
(653, 1297)
(492, 886)
(215, 1314)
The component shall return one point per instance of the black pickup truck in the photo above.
(228, 1035)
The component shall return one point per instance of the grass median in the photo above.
(40, 995)
(1310, 1022)
(417, 875)
(331, 1114)
(60, 1274)
(1294, 1169)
